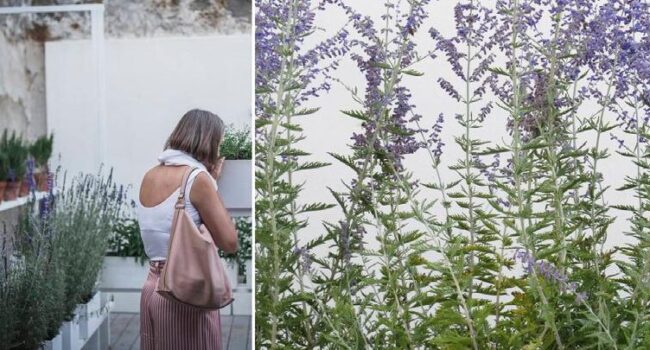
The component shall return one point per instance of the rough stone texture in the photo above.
(22, 58)
(22, 65)
(22, 87)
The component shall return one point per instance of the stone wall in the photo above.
(22, 65)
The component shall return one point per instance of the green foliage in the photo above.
(31, 290)
(126, 240)
(4, 164)
(237, 144)
(83, 218)
(402, 269)
(41, 150)
(244, 252)
(53, 262)
(287, 315)
(16, 153)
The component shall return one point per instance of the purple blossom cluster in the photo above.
(476, 30)
(350, 239)
(621, 56)
(379, 60)
(281, 28)
(550, 272)
(435, 137)
(305, 258)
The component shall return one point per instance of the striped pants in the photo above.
(169, 325)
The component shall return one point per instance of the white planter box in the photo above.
(90, 316)
(123, 273)
(123, 279)
(82, 331)
(54, 344)
(70, 335)
(236, 184)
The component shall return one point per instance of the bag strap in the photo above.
(180, 203)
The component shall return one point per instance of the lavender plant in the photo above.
(387, 316)
(512, 251)
(289, 72)
(51, 260)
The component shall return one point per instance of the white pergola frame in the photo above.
(99, 57)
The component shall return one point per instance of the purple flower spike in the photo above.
(305, 258)
(550, 272)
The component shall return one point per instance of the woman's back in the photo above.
(158, 195)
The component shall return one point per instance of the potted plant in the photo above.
(88, 209)
(16, 153)
(41, 151)
(124, 268)
(235, 184)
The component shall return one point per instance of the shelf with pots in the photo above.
(23, 170)
(19, 202)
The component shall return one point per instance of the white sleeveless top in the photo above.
(156, 222)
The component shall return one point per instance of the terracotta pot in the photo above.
(12, 190)
(41, 181)
(3, 185)
(24, 188)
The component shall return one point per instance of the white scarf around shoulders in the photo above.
(176, 157)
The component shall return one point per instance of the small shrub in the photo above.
(244, 252)
(55, 258)
(41, 150)
(16, 155)
(237, 144)
(4, 165)
(126, 240)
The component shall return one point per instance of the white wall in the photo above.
(329, 130)
(151, 83)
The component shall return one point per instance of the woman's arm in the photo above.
(207, 201)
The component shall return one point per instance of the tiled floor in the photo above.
(125, 330)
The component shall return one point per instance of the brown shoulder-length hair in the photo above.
(198, 134)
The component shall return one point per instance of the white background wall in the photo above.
(151, 83)
(329, 130)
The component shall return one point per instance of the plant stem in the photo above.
(419, 216)
(270, 176)
(517, 165)
(468, 165)
(369, 159)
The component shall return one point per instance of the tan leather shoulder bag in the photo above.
(193, 273)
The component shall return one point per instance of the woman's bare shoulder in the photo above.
(204, 182)
(203, 189)
(150, 175)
